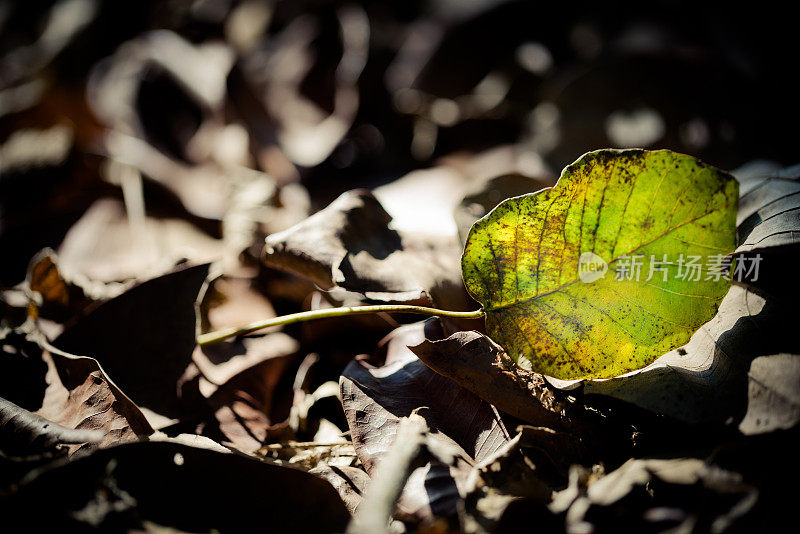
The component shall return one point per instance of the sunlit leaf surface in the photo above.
(612, 267)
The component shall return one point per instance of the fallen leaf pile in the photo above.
(172, 169)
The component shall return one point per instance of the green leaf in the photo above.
(529, 262)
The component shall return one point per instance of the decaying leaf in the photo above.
(769, 211)
(390, 477)
(350, 482)
(350, 244)
(80, 395)
(59, 297)
(148, 336)
(654, 494)
(219, 363)
(103, 246)
(244, 405)
(23, 433)
(542, 264)
(508, 475)
(71, 392)
(375, 399)
(478, 364)
(404, 384)
(231, 301)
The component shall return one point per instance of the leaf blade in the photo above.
(521, 261)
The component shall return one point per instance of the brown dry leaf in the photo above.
(244, 407)
(59, 298)
(218, 363)
(376, 398)
(23, 433)
(240, 377)
(71, 391)
(350, 482)
(231, 302)
(478, 364)
(144, 338)
(80, 395)
(510, 474)
(351, 245)
(238, 423)
(769, 211)
(647, 495)
(104, 246)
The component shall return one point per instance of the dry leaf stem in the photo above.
(219, 335)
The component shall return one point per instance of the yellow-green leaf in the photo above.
(536, 262)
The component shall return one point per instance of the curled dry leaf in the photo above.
(231, 302)
(480, 365)
(245, 407)
(390, 477)
(654, 494)
(144, 338)
(509, 474)
(240, 377)
(376, 398)
(350, 244)
(349, 481)
(56, 295)
(219, 363)
(80, 395)
(70, 391)
(404, 384)
(23, 433)
(61, 298)
(769, 211)
(104, 246)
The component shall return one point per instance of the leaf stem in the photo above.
(219, 335)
